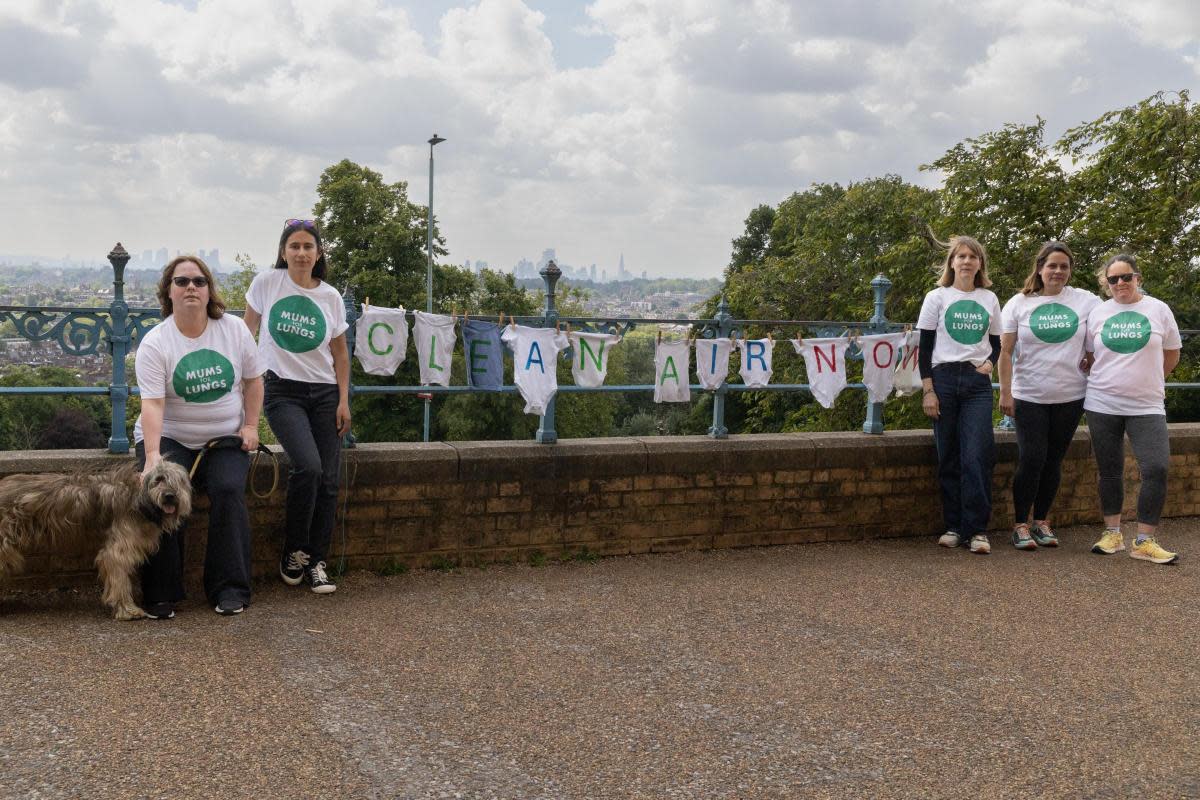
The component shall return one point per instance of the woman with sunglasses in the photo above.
(303, 346)
(1133, 344)
(960, 340)
(199, 377)
(1042, 385)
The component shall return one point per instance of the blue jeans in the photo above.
(303, 417)
(965, 447)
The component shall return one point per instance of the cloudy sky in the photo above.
(643, 127)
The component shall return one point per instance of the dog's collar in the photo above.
(150, 511)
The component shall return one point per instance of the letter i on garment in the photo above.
(381, 339)
(712, 361)
(535, 351)
(435, 344)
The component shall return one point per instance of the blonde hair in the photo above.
(982, 281)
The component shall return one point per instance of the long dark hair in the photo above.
(308, 226)
(1034, 282)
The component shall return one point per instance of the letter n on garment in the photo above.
(880, 354)
(535, 354)
(589, 364)
(435, 344)
(672, 375)
(482, 354)
(381, 339)
(825, 361)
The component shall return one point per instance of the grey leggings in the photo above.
(1151, 447)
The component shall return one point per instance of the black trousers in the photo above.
(303, 417)
(1044, 432)
(222, 476)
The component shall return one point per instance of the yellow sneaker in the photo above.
(1149, 550)
(1111, 542)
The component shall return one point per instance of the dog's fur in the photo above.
(113, 509)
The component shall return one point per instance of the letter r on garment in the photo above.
(754, 351)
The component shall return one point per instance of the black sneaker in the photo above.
(227, 608)
(291, 567)
(160, 611)
(318, 579)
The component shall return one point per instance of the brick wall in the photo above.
(474, 502)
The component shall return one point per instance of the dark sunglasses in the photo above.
(1113, 280)
(199, 281)
(311, 224)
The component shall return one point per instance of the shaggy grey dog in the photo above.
(114, 510)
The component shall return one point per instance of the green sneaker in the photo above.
(1021, 538)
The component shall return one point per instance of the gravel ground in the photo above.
(884, 669)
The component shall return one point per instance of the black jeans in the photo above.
(222, 476)
(304, 419)
(965, 447)
(1044, 432)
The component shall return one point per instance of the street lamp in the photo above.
(435, 140)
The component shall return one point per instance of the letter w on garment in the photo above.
(381, 339)
(756, 361)
(589, 365)
(672, 373)
(435, 344)
(712, 361)
(825, 361)
(535, 351)
(879, 363)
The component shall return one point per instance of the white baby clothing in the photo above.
(671, 372)
(589, 366)
(756, 361)
(381, 339)
(535, 373)
(712, 361)
(825, 363)
(435, 346)
(879, 363)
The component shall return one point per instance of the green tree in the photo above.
(751, 247)
(26, 419)
(234, 287)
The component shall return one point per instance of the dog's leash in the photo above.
(235, 442)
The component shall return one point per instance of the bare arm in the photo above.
(1170, 361)
(341, 369)
(252, 400)
(252, 318)
(152, 425)
(1008, 342)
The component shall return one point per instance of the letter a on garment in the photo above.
(589, 365)
(825, 361)
(712, 361)
(672, 375)
(482, 352)
(381, 339)
(879, 363)
(756, 361)
(535, 353)
(435, 344)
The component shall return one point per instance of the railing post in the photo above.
(118, 347)
(550, 275)
(348, 441)
(880, 285)
(723, 321)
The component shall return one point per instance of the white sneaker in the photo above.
(949, 539)
(980, 544)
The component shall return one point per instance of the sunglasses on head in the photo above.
(198, 281)
(311, 224)
(1127, 277)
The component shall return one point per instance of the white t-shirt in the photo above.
(200, 379)
(535, 353)
(297, 326)
(963, 321)
(672, 373)
(1128, 340)
(1051, 332)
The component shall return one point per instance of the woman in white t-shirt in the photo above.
(1042, 384)
(199, 378)
(1133, 344)
(303, 344)
(960, 341)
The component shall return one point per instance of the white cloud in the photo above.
(197, 127)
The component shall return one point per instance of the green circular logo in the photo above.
(202, 377)
(296, 324)
(1126, 332)
(966, 321)
(1053, 323)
